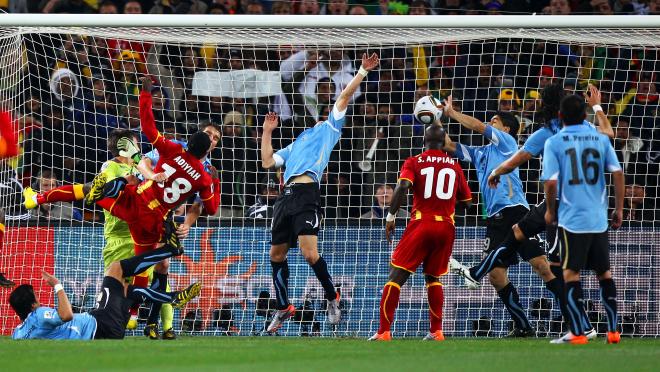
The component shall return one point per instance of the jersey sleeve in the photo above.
(463, 192)
(148, 126)
(210, 196)
(611, 161)
(503, 141)
(49, 318)
(550, 163)
(154, 156)
(337, 118)
(465, 153)
(535, 142)
(282, 156)
(408, 170)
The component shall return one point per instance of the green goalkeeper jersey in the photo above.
(114, 227)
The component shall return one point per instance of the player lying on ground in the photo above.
(438, 183)
(194, 211)
(296, 212)
(574, 165)
(109, 317)
(534, 222)
(505, 206)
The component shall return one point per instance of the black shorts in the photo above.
(581, 251)
(296, 212)
(499, 226)
(112, 310)
(534, 223)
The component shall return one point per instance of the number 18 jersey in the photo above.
(438, 182)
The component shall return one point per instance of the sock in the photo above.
(159, 283)
(167, 314)
(281, 283)
(486, 265)
(556, 287)
(138, 264)
(574, 306)
(608, 296)
(510, 298)
(8, 143)
(144, 294)
(436, 298)
(388, 303)
(138, 281)
(66, 193)
(321, 271)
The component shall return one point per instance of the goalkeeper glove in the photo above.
(128, 149)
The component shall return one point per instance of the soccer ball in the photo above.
(427, 111)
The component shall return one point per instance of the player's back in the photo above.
(577, 157)
(185, 176)
(438, 182)
(44, 322)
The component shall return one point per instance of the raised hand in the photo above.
(50, 280)
(592, 96)
(213, 172)
(160, 177)
(147, 84)
(270, 122)
(371, 62)
(448, 107)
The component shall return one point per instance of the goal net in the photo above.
(69, 87)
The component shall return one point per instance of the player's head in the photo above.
(572, 110)
(199, 145)
(23, 300)
(506, 122)
(434, 136)
(551, 97)
(214, 133)
(118, 134)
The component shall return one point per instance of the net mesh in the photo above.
(69, 87)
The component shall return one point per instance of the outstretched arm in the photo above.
(270, 123)
(509, 165)
(594, 101)
(368, 64)
(64, 309)
(467, 121)
(619, 194)
(400, 193)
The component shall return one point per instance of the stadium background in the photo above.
(68, 136)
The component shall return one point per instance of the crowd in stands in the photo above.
(78, 89)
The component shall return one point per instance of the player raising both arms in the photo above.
(296, 213)
(574, 165)
(438, 182)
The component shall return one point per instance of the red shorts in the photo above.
(144, 223)
(430, 242)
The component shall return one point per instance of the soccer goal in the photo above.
(70, 80)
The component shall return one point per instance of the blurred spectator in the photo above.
(108, 7)
(478, 92)
(263, 207)
(46, 181)
(419, 7)
(254, 7)
(508, 100)
(217, 9)
(637, 205)
(382, 201)
(132, 7)
(640, 103)
(558, 7)
(358, 10)
(337, 7)
(280, 8)
(531, 108)
(73, 56)
(128, 68)
(179, 7)
(627, 146)
(546, 76)
(308, 7)
(231, 6)
(65, 6)
(601, 7)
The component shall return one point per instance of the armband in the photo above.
(597, 108)
(58, 287)
(362, 71)
(390, 217)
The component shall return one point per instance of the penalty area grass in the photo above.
(316, 354)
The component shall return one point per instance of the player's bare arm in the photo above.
(619, 194)
(64, 309)
(398, 197)
(550, 187)
(270, 123)
(593, 98)
(450, 146)
(467, 121)
(193, 212)
(518, 159)
(368, 63)
(145, 167)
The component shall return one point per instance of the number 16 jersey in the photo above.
(438, 182)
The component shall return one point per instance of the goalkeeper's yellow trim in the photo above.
(78, 192)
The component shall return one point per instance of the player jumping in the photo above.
(108, 319)
(438, 182)
(574, 165)
(296, 213)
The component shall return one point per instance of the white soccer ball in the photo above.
(427, 111)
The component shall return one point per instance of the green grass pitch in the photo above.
(300, 354)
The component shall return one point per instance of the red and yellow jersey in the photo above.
(438, 182)
(185, 173)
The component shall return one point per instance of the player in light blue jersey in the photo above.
(574, 165)
(504, 205)
(296, 212)
(109, 317)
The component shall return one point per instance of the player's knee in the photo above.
(571, 275)
(277, 254)
(604, 275)
(517, 233)
(310, 255)
(429, 279)
(498, 278)
(114, 270)
(398, 276)
(541, 267)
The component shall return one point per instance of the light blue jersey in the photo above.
(509, 191)
(310, 152)
(535, 143)
(44, 322)
(154, 156)
(577, 158)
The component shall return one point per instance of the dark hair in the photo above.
(511, 121)
(210, 124)
(21, 300)
(199, 144)
(434, 136)
(551, 97)
(115, 136)
(573, 109)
